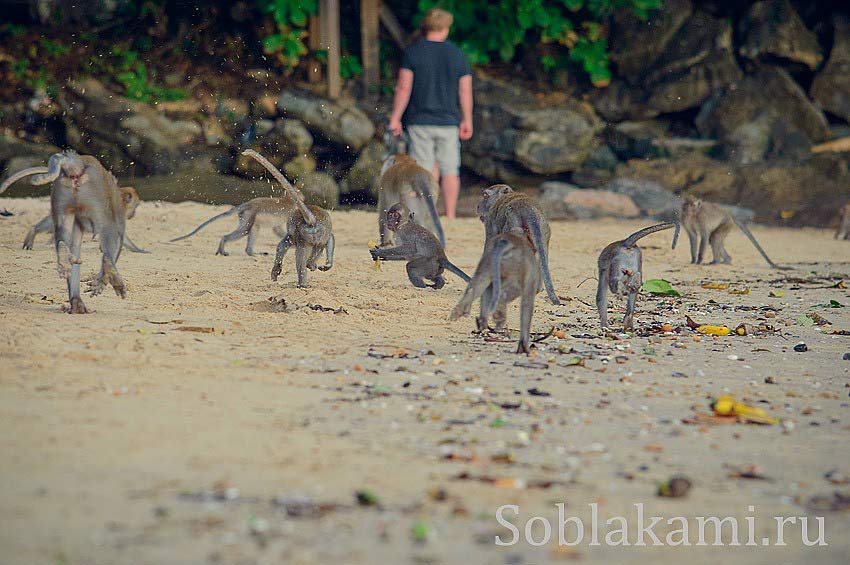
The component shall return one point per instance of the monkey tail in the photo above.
(205, 224)
(429, 202)
(540, 246)
(496, 273)
(456, 270)
(41, 171)
(640, 234)
(752, 238)
(306, 213)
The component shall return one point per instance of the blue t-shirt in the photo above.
(437, 66)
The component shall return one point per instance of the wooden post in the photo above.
(329, 14)
(314, 41)
(369, 10)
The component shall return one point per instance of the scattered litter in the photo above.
(727, 406)
(675, 487)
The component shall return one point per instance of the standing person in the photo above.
(434, 94)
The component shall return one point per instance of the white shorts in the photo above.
(436, 143)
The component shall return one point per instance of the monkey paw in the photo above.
(222, 252)
(325, 267)
(276, 272)
(65, 260)
(95, 286)
(459, 311)
(77, 306)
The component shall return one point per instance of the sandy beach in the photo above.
(216, 416)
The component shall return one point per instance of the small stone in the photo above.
(770, 380)
(846, 356)
(801, 347)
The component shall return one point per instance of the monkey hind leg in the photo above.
(482, 321)
(241, 231)
(602, 298)
(44, 225)
(418, 270)
(526, 311)
(73, 276)
(439, 282)
(110, 244)
(252, 239)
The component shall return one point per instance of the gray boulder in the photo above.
(831, 87)
(561, 200)
(128, 136)
(320, 189)
(347, 125)
(363, 175)
(752, 127)
(773, 29)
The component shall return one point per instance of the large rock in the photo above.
(561, 201)
(773, 29)
(831, 87)
(17, 154)
(695, 174)
(649, 196)
(669, 64)
(363, 175)
(512, 128)
(636, 44)
(128, 136)
(698, 60)
(346, 125)
(752, 126)
(319, 189)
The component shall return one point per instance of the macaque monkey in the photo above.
(419, 247)
(502, 210)
(130, 199)
(308, 229)
(707, 222)
(507, 270)
(620, 266)
(274, 211)
(843, 231)
(402, 180)
(84, 194)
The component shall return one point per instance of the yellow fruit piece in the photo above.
(714, 330)
(715, 286)
(372, 244)
(745, 291)
(726, 406)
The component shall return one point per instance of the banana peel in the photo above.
(372, 245)
(727, 406)
(714, 330)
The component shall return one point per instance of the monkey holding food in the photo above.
(403, 180)
(620, 271)
(84, 194)
(130, 200)
(424, 254)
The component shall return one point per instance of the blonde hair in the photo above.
(436, 20)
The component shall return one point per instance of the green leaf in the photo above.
(805, 321)
(420, 531)
(659, 287)
(498, 422)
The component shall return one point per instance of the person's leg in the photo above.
(421, 146)
(448, 161)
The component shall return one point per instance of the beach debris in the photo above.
(714, 330)
(675, 487)
(801, 347)
(836, 477)
(659, 287)
(750, 471)
(727, 406)
(837, 501)
(366, 497)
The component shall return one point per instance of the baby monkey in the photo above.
(507, 272)
(843, 231)
(620, 265)
(425, 257)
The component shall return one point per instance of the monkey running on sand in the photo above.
(130, 200)
(419, 247)
(620, 271)
(84, 194)
(506, 271)
(308, 229)
(274, 211)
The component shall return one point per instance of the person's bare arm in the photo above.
(465, 94)
(402, 96)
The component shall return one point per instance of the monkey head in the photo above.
(397, 215)
(489, 196)
(130, 199)
(690, 206)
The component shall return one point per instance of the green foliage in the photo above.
(350, 67)
(290, 18)
(124, 66)
(488, 30)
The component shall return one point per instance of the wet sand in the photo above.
(215, 416)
